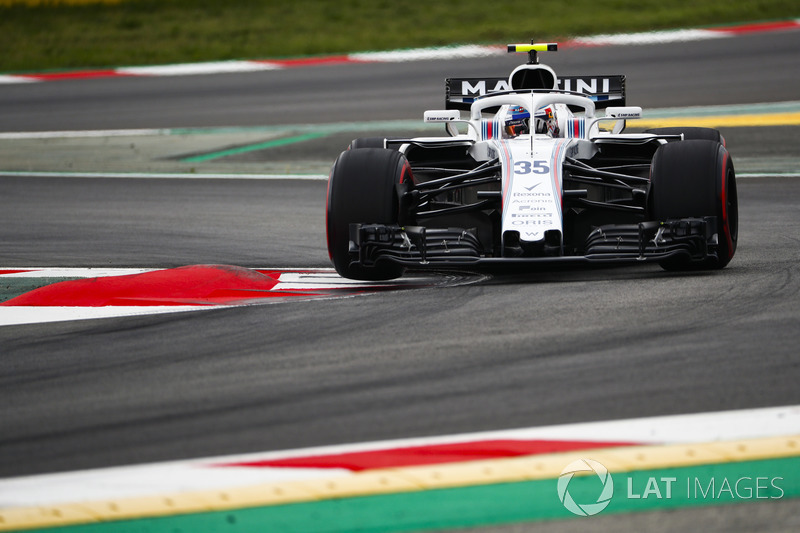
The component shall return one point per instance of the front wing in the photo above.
(422, 247)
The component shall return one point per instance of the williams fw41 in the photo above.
(532, 175)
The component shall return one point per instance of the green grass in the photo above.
(145, 32)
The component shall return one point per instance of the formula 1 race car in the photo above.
(535, 177)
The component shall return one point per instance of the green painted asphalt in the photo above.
(307, 133)
(253, 147)
(484, 505)
(324, 128)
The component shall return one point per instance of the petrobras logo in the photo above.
(596, 503)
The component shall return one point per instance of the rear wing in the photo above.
(605, 91)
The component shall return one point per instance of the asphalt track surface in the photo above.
(520, 350)
(746, 69)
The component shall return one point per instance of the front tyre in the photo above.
(361, 189)
(696, 179)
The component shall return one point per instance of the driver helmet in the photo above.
(517, 121)
(546, 121)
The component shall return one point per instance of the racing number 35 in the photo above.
(528, 167)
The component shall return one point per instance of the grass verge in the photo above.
(42, 35)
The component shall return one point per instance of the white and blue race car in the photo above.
(532, 175)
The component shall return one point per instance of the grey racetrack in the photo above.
(519, 350)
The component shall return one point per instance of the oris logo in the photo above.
(531, 222)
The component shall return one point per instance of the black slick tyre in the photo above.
(361, 189)
(696, 179)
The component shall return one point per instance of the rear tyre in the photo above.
(361, 189)
(691, 134)
(696, 179)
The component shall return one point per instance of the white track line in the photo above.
(165, 175)
(70, 272)
(81, 134)
(654, 37)
(19, 315)
(423, 54)
(8, 79)
(186, 69)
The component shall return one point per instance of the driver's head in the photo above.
(546, 121)
(517, 121)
